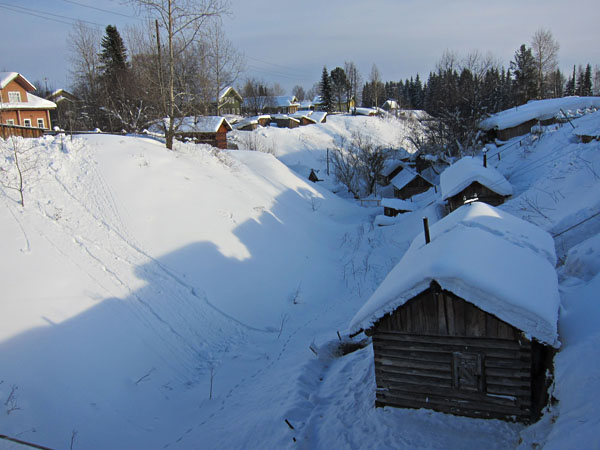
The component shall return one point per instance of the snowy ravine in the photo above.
(159, 299)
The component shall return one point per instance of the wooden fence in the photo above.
(18, 130)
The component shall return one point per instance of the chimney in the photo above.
(426, 227)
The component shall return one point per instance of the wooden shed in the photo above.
(587, 127)
(408, 183)
(470, 180)
(210, 130)
(394, 206)
(284, 121)
(467, 324)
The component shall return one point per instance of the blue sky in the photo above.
(291, 42)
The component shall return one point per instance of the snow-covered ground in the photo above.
(192, 299)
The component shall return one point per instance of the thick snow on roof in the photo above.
(399, 204)
(404, 177)
(588, 125)
(503, 278)
(7, 77)
(318, 116)
(537, 109)
(468, 170)
(496, 221)
(204, 124)
(33, 102)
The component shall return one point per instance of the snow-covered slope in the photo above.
(158, 299)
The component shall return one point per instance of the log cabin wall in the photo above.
(440, 352)
(417, 186)
(475, 192)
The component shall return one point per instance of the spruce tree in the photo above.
(325, 91)
(587, 81)
(113, 56)
(524, 71)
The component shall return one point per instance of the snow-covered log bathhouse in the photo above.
(467, 324)
(469, 180)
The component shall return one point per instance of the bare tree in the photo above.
(545, 53)
(225, 63)
(375, 79)
(354, 80)
(298, 92)
(17, 158)
(183, 21)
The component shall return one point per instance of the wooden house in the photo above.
(279, 104)
(20, 107)
(210, 130)
(467, 324)
(468, 180)
(519, 120)
(304, 117)
(284, 121)
(66, 108)
(229, 102)
(391, 168)
(408, 183)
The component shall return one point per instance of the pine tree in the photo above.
(524, 71)
(325, 91)
(340, 86)
(570, 87)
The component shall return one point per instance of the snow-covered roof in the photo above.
(204, 124)
(588, 125)
(33, 102)
(468, 170)
(390, 165)
(485, 266)
(245, 122)
(228, 89)
(7, 77)
(538, 110)
(283, 117)
(392, 104)
(318, 116)
(398, 204)
(366, 111)
(404, 177)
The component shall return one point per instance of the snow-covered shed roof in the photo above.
(245, 122)
(318, 116)
(391, 104)
(502, 277)
(7, 77)
(468, 170)
(398, 204)
(538, 110)
(588, 125)
(203, 124)
(405, 177)
(366, 111)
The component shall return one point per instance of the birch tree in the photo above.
(183, 21)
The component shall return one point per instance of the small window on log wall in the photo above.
(467, 371)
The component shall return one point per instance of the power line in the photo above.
(100, 9)
(43, 14)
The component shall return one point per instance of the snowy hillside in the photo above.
(192, 299)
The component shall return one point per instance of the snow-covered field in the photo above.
(192, 299)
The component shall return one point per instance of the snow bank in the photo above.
(399, 204)
(509, 281)
(588, 125)
(468, 170)
(537, 109)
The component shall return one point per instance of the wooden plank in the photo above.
(397, 372)
(445, 357)
(459, 318)
(506, 372)
(474, 321)
(428, 348)
(455, 405)
(498, 389)
(442, 318)
(516, 364)
(451, 340)
(387, 377)
(524, 382)
(450, 392)
(414, 364)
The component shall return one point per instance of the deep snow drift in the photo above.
(158, 299)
